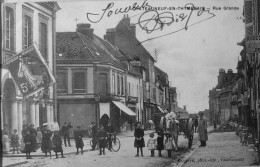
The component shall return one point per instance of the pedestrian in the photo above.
(215, 124)
(5, 139)
(151, 144)
(28, 141)
(64, 132)
(70, 133)
(57, 144)
(94, 136)
(196, 123)
(139, 139)
(111, 133)
(33, 132)
(79, 140)
(202, 130)
(90, 130)
(244, 137)
(46, 140)
(102, 135)
(39, 137)
(169, 146)
(15, 141)
(160, 140)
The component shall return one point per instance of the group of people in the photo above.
(102, 136)
(165, 140)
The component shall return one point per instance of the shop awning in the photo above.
(124, 108)
(159, 108)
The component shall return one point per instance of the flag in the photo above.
(30, 71)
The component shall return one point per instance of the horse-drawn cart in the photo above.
(177, 125)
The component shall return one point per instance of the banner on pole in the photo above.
(30, 71)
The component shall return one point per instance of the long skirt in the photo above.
(79, 143)
(139, 143)
(57, 149)
(102, 143)
(6, 144)
(46, 145)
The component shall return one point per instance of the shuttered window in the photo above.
(248, 12)
(43, 40)
(27, 31)
(103, 84)
(61, 82)
(79, 82)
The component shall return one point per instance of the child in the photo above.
(57, 144)
(15, 141)
(78, 140)
(102, 134)
(46, 140)
(28, 141)
(160, 145)
(139, 139)
(244, 137)
(169, 144)
(39, 137)
(151, 144)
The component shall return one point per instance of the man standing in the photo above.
(110, 131)
(64, 132)
(196, 123)
(94, 135)
(202, 130)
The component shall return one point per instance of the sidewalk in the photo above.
(223, 149)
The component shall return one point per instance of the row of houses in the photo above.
(110, 79)
(237, 95)
(97, 79)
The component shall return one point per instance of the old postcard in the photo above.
(130, 83)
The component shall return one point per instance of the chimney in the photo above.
(133, 31)
(110, 36)
(184, 107)
(221, 77)
(229, 75)
(126, 20)
(85, 30)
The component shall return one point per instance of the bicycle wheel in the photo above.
(116, 144)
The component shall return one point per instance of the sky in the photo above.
(192, 57)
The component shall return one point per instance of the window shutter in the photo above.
(248, 12)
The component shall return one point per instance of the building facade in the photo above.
(23, 25)
(92, 81)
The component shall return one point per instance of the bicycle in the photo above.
(114, 140)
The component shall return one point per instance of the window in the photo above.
(9, 21)
(43, 40)
(113, 83)
(129, 89)
(118, 85)
(122, 86)
(27, 32)
(61, 82)
(103, 84)
(79, 82)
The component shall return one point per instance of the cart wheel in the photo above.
(116, 144)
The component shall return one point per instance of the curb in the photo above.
(187, 157)
(15, 164)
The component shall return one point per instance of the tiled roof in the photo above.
(75, 46)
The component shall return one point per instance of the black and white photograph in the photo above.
(130, 83)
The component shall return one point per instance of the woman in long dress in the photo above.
(70, 133)
(5, 140)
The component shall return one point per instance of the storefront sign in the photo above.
(30, 71)
(132, 99)
(253, 44)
